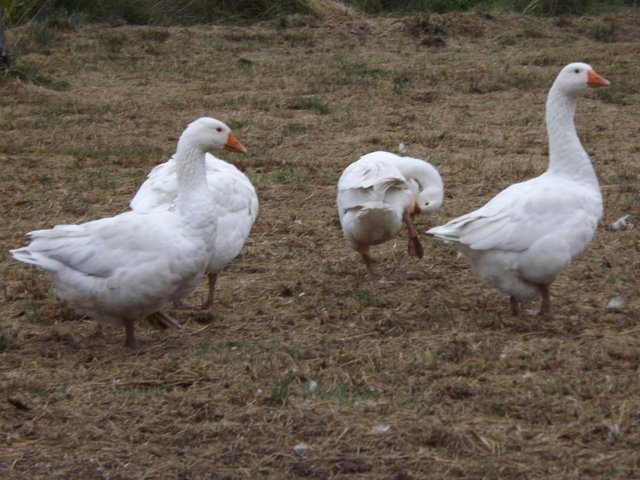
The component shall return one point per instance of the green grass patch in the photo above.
(289, 176)
(367, 298)
(30, 73)
(310, 102)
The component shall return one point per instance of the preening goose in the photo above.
(122, 268)
(378, 193)
(527, 234)
(232, 194)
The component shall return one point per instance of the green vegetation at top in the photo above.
(169, 12)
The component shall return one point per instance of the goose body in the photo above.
(524, 237)
(123, 268)
(378, 193)
(231, 192)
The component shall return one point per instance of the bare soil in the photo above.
(304, 368)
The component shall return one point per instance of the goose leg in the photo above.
(368, 262)
(545, 307)
(130, 341)
(99, 333)
(208, 303)
(515, 306)
(415, 247)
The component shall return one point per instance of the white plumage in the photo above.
(527, 234)
(232, 194)
(119, 269)
(378, 193)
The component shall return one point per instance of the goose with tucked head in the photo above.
(379, 193)
(123, 268)
(524, 237)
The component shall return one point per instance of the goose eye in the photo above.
(219, 129)
(577, 70)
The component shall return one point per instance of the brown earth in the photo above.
(305, 369)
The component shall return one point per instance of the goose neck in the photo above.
(190, 171)
(423, 173)
(567, 156)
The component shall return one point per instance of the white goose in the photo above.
(527, 234)
(378, 193)
(119, 269)
(233, 195)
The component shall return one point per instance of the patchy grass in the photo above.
(305, 368)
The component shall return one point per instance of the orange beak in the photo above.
(233, 145)
(595, 80)
(416, 209)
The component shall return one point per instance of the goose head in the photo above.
(429, 199)
(428, 189)
(209, 134)
(578, 77)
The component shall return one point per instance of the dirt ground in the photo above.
(304, 368)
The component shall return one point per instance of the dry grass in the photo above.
(306, 369)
